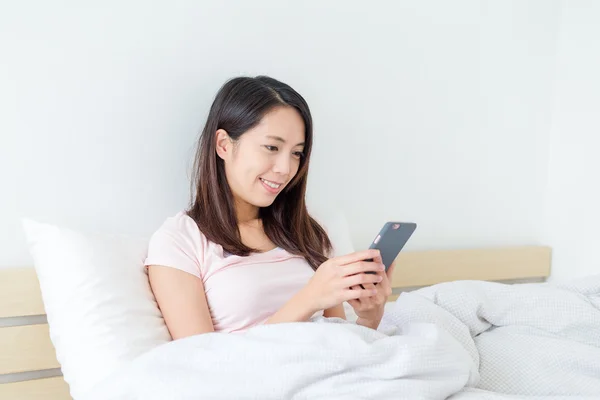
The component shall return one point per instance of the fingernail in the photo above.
(373, 292)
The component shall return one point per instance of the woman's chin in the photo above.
(263, 201)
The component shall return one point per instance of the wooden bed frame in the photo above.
(26, 347)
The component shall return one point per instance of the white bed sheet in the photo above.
(461, 340)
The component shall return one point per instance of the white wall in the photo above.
(573, 207)
(431, 111)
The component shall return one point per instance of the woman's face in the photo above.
(264, 159)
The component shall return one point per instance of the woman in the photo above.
(247, 252)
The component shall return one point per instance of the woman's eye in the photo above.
(271, 148)
(299, 154)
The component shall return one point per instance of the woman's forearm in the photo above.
(297, 309)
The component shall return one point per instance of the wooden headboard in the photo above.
(25, 347)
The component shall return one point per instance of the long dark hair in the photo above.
(239, 105)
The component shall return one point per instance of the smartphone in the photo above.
(391, 239)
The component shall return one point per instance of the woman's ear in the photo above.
(224, 143)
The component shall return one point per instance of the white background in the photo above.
(476, 119)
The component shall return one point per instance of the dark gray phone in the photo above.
(391, 239)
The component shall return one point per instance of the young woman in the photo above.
(247, 252)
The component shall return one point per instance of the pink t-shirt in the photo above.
(241, 291)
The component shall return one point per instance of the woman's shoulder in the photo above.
(180, 223)
(179, 230)
(178, 243)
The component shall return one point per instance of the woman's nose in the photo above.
(282, 165)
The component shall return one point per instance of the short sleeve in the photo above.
(177, 244)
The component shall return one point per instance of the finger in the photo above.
(378, 259)
(370, 286)
(362, 266)
(355, 304)
(382, 295)
(357, 256)
(358, 287)
(355, 294)
(369, 302)
(385, 286)
(360, 279)
(390, 272)
(383, 275)
(383, 291)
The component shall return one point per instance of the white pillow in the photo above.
(100, 308)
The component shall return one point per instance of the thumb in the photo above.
(390, 271)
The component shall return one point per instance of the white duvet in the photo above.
(462, 340)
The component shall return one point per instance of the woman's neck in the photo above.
(245, 212)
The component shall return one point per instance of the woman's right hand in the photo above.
(331, 284)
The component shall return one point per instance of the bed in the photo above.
(29, 369)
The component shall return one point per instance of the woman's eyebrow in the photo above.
(282, 140)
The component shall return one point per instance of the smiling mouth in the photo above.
(271, 184)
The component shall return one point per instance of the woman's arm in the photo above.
(182, 301)
(297, 309)
(337, 311)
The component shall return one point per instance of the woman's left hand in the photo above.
(370, 309)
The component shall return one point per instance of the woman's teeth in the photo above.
(271, 184)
